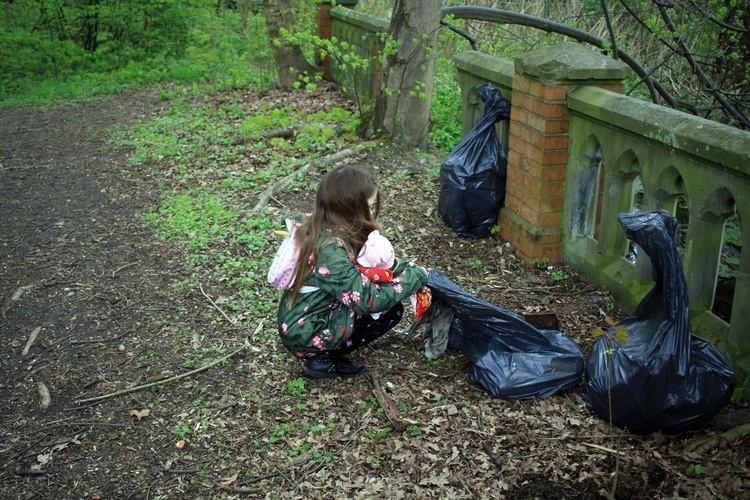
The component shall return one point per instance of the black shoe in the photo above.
(327, 366)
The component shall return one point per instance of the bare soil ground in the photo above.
(83, 278)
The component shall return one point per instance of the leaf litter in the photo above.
(79, 265)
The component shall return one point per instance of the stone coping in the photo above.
(715, 142)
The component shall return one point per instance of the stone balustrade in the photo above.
(580, 153)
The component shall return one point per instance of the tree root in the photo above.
(705, 445)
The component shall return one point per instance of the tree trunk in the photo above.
(403, 109)
(290, 62)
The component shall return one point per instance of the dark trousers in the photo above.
(367, 329)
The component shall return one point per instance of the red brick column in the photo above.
(532, 217)
(323, 18)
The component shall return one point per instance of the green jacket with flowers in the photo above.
(323, 319)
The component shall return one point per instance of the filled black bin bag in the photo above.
(511, 358)
(663, 378)
(473, 174)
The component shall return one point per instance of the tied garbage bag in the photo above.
(473, 174)
(657, 374)
(511, 358)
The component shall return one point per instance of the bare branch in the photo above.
(506, 16)
(610, 28)
(729, 109)
(718, 22)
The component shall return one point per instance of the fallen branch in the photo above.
(282, 183)
(284, 133)
(386, 404)
(171, 379)
(231, 321)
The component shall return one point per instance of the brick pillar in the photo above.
(532, 217)
(323, 18)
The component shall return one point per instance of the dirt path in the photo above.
(77, 271)
(75, 262)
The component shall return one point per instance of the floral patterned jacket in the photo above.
(323, 319)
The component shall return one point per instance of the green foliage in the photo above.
(348, 61)
(182, 431)
(560, 274)
(540, 263)
(376, 436)
(297, 387)
(609, 303)
(194, 217)
(737, 395)
(696, 469)
(445, 110)
(318, 131)
(54, 49)
(280, 432)
(475, 263)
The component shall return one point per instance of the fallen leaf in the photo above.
(181, 444)
(140, 414)
(622, 335)
(229, 481)
(597, 332)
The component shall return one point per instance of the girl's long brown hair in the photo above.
(341, 209)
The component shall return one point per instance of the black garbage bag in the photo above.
(473, 174)
(657, 374)
(511, 358)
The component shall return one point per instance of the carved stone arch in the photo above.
(583, 200)
(592, 150)
(669, 185)
(628, 164)
(719, 206)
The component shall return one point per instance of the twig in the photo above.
(231, 321)
(30, 472)
(492, 456)
(259, 478)
(30, 341)
(123, 267)
(171, 379)
(611, 30)
(235, 489)
(604, 448)
(97, 341)
(36, 370)
(401, 367)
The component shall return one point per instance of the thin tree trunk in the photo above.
(403, 110)
(290, 62)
